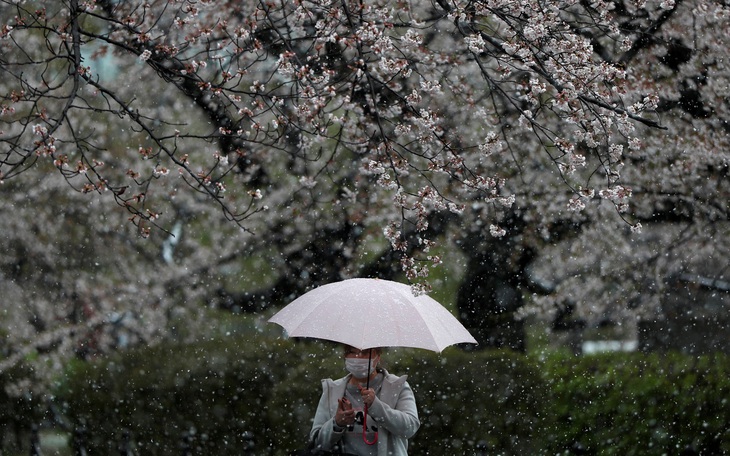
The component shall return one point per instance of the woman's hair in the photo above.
(349, 348)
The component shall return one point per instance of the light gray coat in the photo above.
(394, 410)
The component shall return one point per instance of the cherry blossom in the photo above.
(558, 126)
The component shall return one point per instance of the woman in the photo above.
(391, 417)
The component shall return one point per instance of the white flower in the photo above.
(456, 209)
(576, 204)
(506, 201)
(634, 144)
(307, 182)
(430, 86)
(160, 171)
(615, 151)
(497, 231)
(40, 130)
(475, 43)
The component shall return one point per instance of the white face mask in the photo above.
(358, 367)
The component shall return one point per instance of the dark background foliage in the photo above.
(17, 413)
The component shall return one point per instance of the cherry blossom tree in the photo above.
(338, 138)
(679, 180)
(306, 88)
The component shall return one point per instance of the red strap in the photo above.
(365, 427)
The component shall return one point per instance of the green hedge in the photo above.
(519, 405)
(215, 391)
(639, 404)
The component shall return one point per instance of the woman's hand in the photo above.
(345, 415)
(368, 395)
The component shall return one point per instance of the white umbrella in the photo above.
(368, 313)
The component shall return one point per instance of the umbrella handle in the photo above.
(365, 427)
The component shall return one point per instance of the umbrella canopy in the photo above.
(368, 313)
